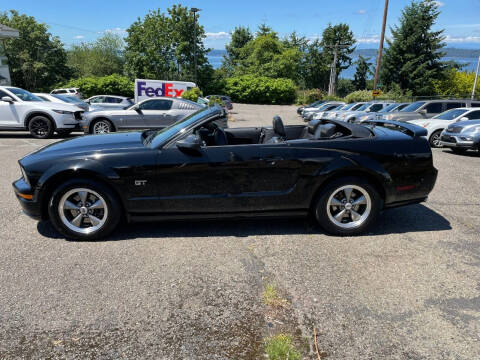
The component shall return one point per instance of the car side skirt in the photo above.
(215, 216)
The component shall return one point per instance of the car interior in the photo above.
(213, 135)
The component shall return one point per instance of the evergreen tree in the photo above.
(361, 74)
(241, 36)
(412, 59)
(342, 35)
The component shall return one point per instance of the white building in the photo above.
(5, 33)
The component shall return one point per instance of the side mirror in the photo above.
(463, 119)
(191, 144)
(87, 101)
(368, 110)
(423, 112)
(7, 99)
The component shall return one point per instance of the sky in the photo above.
(85, 20)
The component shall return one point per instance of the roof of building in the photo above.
(7, 32)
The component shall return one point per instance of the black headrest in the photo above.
(220, 137)
(312, 125)
(325, 131)
(278, 127)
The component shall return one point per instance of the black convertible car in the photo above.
(343, 174)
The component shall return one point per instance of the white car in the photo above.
(365, 109)
(68, 92)
(73, 100)
(334, 113)
(21, 110)
(308, 113)
(440, 122)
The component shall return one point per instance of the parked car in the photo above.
(68, 92)
(378, 115)
(203, 101)
(438, 123)
(21, 110)
(225, 99)
(365, 109)
(334, 113)
(427, 109)
(154, 113)
(309, 113)
(314, 104)
(462, 136)
(110, 101)
(73, 100)
(196, 169)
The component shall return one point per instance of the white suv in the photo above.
(21, 110)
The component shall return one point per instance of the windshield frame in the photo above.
(181, 127)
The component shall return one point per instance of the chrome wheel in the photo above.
(435, 139)
(101, 127)
(349, 206)
(83, 210)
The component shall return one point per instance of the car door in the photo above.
(158, 113)
(8, 112)
(433, 109)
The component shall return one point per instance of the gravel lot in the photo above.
(410, 289)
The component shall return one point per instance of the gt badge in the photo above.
(140, 182)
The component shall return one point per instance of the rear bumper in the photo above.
(27, 199)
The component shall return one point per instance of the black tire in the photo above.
(458, 150)
(325, 217)
(40, 127)
(111, 210)
(434, 139)
(64, 132)
(101, 123)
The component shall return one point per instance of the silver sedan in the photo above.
(155, 113)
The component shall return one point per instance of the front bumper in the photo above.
(452, 140)
(27, 198)
(66, 121)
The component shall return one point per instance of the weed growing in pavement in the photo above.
(271, 297)
(280, 347)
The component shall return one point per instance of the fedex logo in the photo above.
(145, 89)
(166, 89)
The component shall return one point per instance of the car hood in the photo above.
(403, 115)
(465, 126)
(53, 105)
(86, 145)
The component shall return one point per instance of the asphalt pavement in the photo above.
(409, 289)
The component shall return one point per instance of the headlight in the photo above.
(364, 117)
(466, 138)
(389, 117)
(63, 112)
(343, 116)
(24, 175)
(425, 125)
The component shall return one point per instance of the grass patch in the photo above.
(271, 297)
(280, 347)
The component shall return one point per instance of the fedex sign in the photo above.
(145, 89)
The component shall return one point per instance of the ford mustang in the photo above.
(341, 174)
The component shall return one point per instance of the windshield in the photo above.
(24, 94)
(413, 107)
(450, 114)
(348, 106)
(363, 107)
(315, 103)
(155, 138)
(389, 108)
(67, 99)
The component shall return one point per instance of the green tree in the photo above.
(37, 60)
(412, 59)
(342, 36)
(456, 83)
(361, 74)
(241, 36)
(264, 29)
(315, 67)
(100, 58)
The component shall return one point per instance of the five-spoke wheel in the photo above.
(84, 209)
(347, 206)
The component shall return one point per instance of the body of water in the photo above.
(216, 58)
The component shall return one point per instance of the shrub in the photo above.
(309, 96)
(192, 94)
(112, 84)
(281, 347)
(252, 89)
(359, 95)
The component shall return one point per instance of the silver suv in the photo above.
(427, 109)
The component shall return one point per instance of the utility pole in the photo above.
(195, 10)
(380, 47)
(476, 78)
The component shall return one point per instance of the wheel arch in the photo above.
(49, 185)
(374, 179)
(94, 120)
(31, 115)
